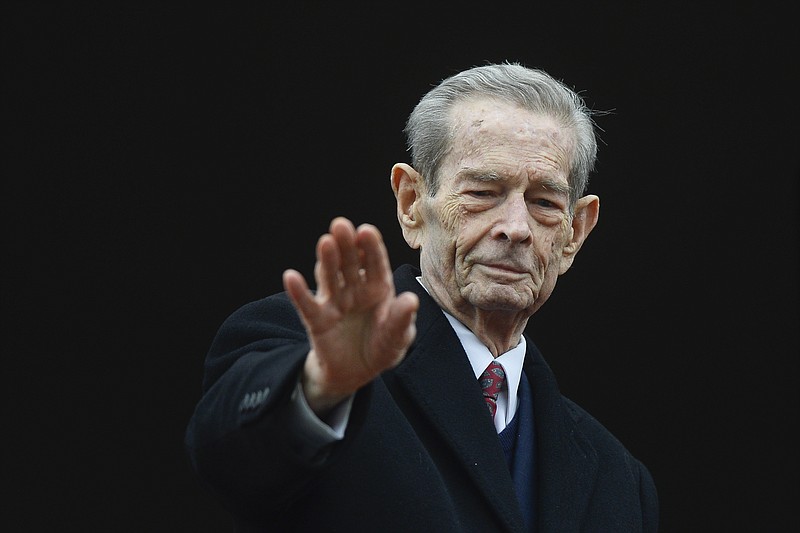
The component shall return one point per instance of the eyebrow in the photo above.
(488, 176)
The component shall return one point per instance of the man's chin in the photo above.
(500, 297)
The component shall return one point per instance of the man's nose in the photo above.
(513, 224)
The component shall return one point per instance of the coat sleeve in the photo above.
(237, 439)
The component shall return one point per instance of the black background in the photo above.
(164, 165)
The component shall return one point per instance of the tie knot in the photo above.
(491, 382)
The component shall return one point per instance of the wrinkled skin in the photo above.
(498, 231)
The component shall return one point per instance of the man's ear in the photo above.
(587, 210)
(408, 190)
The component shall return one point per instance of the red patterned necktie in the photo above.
(491, 382)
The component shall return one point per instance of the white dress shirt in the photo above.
(479, 357)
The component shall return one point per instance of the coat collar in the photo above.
(437, 375)
(566, 461)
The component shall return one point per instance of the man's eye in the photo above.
(541, 202)
(481, 193)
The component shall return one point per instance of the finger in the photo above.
(301, 296)
(326, 269)
(345, 234)
(375, 258)
(400, 325)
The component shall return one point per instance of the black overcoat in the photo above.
(419, 454)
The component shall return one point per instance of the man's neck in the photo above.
(498, 330)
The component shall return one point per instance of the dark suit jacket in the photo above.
(419, 454)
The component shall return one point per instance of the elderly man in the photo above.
(412, 400)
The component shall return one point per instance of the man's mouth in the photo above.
(505, 267)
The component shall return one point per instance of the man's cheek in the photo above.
(451, 212)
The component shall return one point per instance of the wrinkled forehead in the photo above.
(478, 117)
(492, 128)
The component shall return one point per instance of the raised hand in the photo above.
(358, 327)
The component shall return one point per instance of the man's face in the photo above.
(495, 231)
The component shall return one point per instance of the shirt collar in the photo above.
(479, 357)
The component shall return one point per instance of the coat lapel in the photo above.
(436, 374)
(566, 462)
